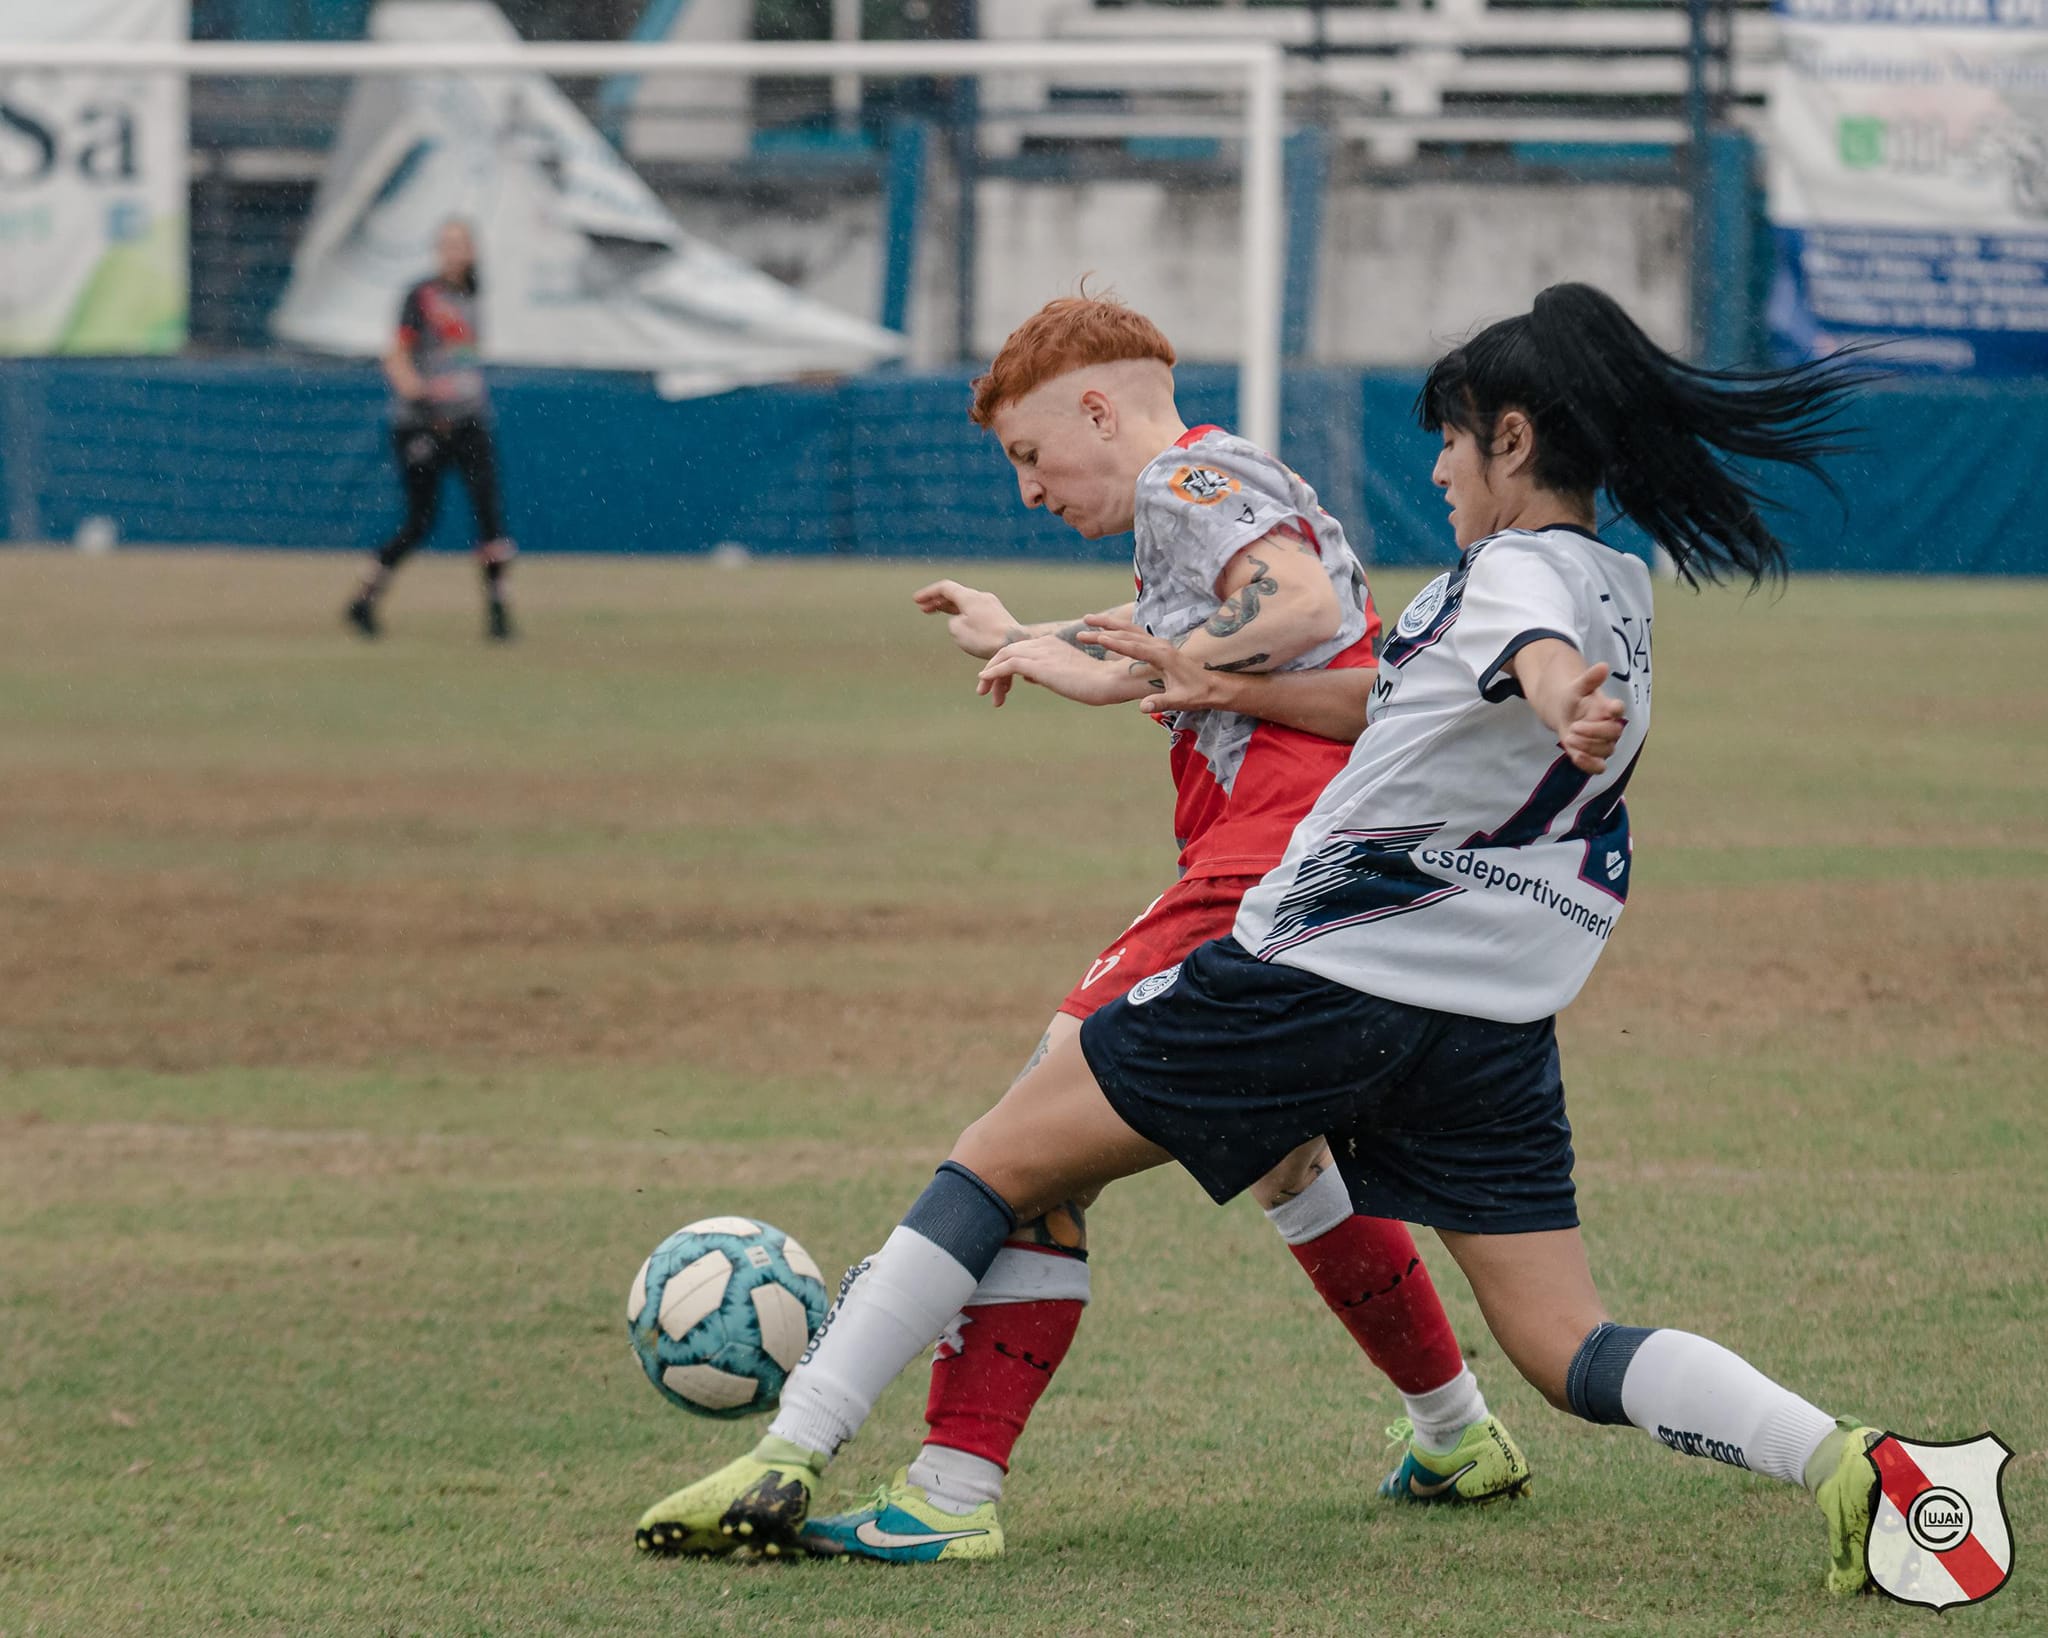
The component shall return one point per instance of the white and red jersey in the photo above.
(1241, 785)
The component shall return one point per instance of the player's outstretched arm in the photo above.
(980, 625)
(1086, 674)
(1327, 703)
(1565, 692)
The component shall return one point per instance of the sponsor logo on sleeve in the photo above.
(1202, 485)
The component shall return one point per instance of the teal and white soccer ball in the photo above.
(721, 1313)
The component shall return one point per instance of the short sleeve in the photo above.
(1208, 502)
(1513, 596)
(412, 319)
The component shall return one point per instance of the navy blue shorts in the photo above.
(1230, 1063)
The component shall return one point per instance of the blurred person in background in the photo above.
(441, 417)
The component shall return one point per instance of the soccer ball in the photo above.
(721, 1313)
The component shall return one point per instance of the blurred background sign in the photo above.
(92, 188)
(582, 264)
(1909, 182)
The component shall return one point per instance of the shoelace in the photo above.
(879, 1502)
(1401, 1432)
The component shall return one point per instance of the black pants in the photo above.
(424, 454)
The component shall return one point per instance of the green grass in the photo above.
(367, 1013)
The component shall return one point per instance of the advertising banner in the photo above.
(93, 210)
(1909, 182)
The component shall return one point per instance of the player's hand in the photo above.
(1173, 681)
(1593, 722)
(976, 620)
(1054, 663)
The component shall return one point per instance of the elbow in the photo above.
(1325, 622)
(1313, 625)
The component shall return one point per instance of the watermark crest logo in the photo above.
(1939, 1534)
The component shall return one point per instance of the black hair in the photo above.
(1612, 410)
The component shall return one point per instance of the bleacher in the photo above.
(1590, 87)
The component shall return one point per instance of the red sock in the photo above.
(1369, 1272)
(984, 1386)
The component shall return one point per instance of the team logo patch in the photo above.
(1150, 989)
(1202, 485)
(1939, 1534)
(1415, 618)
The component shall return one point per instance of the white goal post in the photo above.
(1255, 66)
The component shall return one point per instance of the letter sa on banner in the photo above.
(1939, 1534)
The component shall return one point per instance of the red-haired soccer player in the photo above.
(1255, 583)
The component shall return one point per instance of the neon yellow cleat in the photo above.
(753, 1503)
(1848, 1498)
(900, 1525)
(1487, 1466)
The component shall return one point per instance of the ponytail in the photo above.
(1612, 410)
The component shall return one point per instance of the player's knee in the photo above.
(1544, 1357)
(1292, 1175)
(1063, 1229)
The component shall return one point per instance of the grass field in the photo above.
(366, 1014)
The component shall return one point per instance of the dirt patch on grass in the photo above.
(172, 973)
(1904, 965)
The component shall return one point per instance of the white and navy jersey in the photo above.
(1459, 861)
(1240, 785)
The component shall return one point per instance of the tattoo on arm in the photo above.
(1072, 634)
(1037, 1056)
(1242, 609)
(1251, 662)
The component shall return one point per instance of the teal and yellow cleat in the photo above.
(900, 1525)
(1848, 1498)
(754, 1502)
(1487, 1466)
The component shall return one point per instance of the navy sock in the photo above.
(962, 1216)
(1593, 1381)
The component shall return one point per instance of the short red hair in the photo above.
(1068, 334)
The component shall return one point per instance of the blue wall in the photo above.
(277, 454)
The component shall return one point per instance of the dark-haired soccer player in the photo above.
(441, 418)
(1393, 983)
(1239, 564)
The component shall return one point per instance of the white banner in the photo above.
(1909, 181)
(92, 188)
(579, 262)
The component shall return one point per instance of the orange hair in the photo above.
(1068, 334)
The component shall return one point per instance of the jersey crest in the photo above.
(1428, 616)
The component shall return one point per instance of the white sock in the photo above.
(956, 1480)
(1443, 1414)
(1020, 1275)
(1312, 1213)
(1702, 1400)
(893, 1308)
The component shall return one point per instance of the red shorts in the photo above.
(1187, 914)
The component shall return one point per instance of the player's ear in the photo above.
(1514, 442)
(1099, 412)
